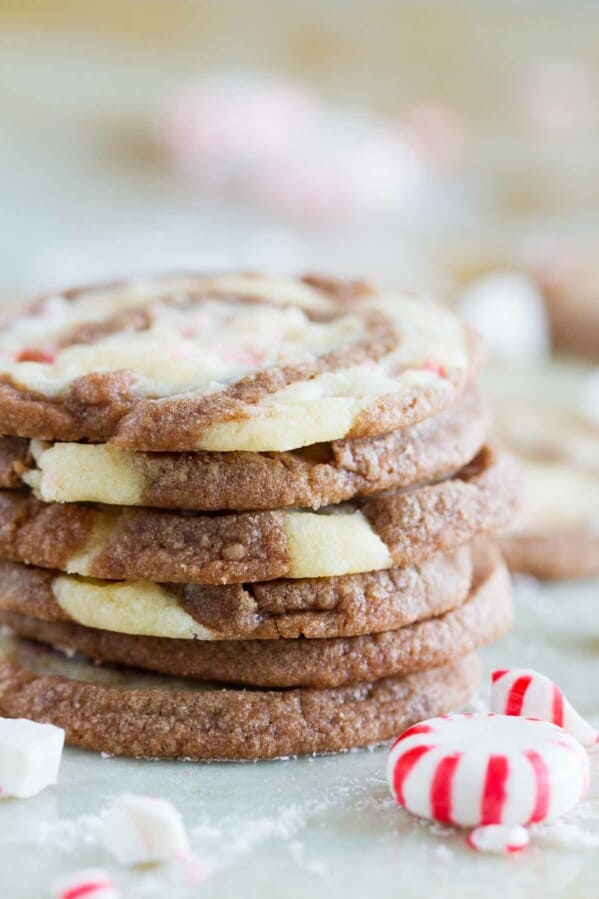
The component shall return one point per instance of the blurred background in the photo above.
(421, 143)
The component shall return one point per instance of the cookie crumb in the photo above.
(233, 552)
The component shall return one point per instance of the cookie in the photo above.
(123, 713)
(320, 607)
(307, 478)
(555, 534)
(486, 615)
(553, 556)
(228, 362)
(384, 531)
(569, 287)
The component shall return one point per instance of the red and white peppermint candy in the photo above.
(89, 884)
(522, 691)
(476, 769)
(499, 839)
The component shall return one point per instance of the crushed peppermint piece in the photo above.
(523, 691)
(499, 839)
(36, 354)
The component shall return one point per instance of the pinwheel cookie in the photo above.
(228, 362)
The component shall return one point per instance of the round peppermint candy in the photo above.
(469, 770)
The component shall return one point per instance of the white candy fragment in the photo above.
(499, 839)
(91, 884)
(508, 311)
(143, 829)
(30, 755)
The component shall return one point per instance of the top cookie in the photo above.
(228, 362)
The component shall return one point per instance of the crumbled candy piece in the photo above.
(88, 884)
(143, 829)
(508, 311)
(30, 755)
(468, 770)
(36, 354)
(435, 367)
(443, 853)
(522, 691)
(499, 839)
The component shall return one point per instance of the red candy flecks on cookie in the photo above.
(436, 367)
(478, 769)
(36, 354)
(524, 692)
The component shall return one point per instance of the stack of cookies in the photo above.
(275, 489)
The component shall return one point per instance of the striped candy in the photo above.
(90, 884)
(476, 769)
(499, 839)
(522, 691)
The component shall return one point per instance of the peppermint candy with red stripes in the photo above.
(522, 691)
(87, 884)
(474, 769)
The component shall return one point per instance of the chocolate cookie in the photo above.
(556, 532)
(385, 531)
(572, 300)
(486, 615)
(312, 477)
(228, 362)
(572, 554)
(556, 535)
(319, 607)
(151, 719)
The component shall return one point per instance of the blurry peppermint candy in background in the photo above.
(287, 150)
(226, 127)
(507, 309)
(357, 167)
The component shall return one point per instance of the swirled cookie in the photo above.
(228, 362)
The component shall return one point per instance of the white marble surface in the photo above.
(324, 827)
